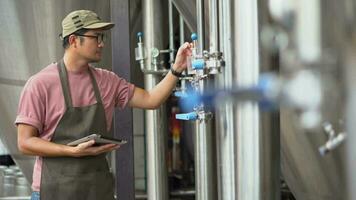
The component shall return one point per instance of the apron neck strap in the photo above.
(95, 86)
(65, 84)
(64, 81)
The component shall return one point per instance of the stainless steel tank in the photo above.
(309, 175)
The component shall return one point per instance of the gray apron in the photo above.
(83, 178)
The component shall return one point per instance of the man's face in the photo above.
(91, 46)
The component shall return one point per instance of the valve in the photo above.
(139, 36)
(198, 114)
(195, 53)
(198, 64)
(187, 116)
(334, 139)
(181, 94)
(212, 61)
(194, 37)
(139, 50)
(332, 143)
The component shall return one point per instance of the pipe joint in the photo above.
(214, 62)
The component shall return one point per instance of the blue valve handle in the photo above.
(198, 64)
(180, 94)
(139, 36)
(194, 36)
(187, 116)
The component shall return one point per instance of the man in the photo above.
(71, 99)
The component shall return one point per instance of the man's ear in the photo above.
(72, 40)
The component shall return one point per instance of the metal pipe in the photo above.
(171, 33)
(205, 176)
(308, 30)
(226, 139)
(204, 173)
(181, 41)
(350, 60)
(157, 186)
(205, 180)
(213, 26)
(181, 30)
(153, 29)
(200, 25)
(156, 121)
(246, 72)
(226, 153)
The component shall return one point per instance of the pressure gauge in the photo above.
(154, 52)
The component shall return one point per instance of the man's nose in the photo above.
(101, 44)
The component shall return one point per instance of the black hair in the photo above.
(81, 31)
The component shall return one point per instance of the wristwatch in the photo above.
(175, 73)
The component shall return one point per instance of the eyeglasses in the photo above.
(100, 37)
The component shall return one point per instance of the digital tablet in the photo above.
(99, 139)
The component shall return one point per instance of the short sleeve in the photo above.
(124, 92)
(31, 109)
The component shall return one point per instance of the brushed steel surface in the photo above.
(247, 121)
(309, 175)
(156, 120)
(205, 181)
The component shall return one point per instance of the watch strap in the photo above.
(175, 73)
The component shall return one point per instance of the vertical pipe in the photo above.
(171, 33)
(226, 139)
(350, 121)
(181, 29)
(247, 71)
(205, 180)
(308, 30)
(213, 28)
(156, 121)
(200, 24)
(152, 25)
(204, 161)
(181, 41)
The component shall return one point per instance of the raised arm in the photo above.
(154, 98)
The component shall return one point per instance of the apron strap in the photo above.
(65, 85)
(95, 87)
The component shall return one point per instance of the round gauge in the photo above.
(154, 52)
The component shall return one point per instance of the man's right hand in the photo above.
(87, 149)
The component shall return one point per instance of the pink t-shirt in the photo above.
(42, 103)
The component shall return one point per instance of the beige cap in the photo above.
(82, 19)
